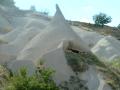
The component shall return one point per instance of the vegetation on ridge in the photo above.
(41, 80)
(101, 19)
(83, 59)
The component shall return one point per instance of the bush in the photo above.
(41, 80)
(101, 19)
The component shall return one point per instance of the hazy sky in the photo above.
(80, 10)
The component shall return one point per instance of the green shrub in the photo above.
(41, 80)
(115, 64)
(101, 19)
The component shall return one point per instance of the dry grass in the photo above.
(3, 42)
(106, 30)
(5, 30)
(4, 74)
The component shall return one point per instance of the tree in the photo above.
(101, 19)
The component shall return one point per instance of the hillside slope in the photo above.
(67, 49)
(106, 30)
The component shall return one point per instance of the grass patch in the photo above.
(76, 62)
(41, 80)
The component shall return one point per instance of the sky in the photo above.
(77, 10)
